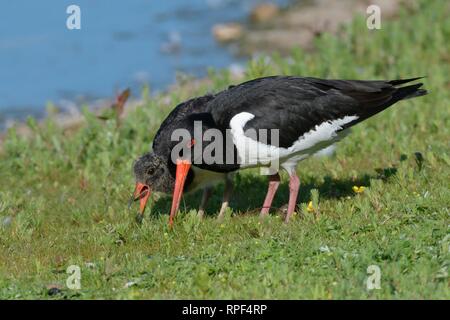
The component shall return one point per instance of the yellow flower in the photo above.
(360, 189)
(310, 207)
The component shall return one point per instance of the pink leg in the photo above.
(294, 185)
(274, 182)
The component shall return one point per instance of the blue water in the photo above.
(120, 44)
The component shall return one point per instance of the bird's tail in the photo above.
(394, 93)
(407, 92)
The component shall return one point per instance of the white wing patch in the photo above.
(254, 153)
(251, 152)
(322, 133)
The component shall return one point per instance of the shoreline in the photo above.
(302, 22)
(295, 26)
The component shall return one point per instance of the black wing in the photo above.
(161, 142)
(295, 105)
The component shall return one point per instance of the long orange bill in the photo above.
(180, 178)
(142, 193)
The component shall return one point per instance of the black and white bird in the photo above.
(271, 122)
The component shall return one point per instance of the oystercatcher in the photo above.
(271, 122)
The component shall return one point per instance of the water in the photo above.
(120, 44)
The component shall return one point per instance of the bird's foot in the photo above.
(201, 213)
(222, 211)
(264, 212)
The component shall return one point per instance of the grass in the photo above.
(63, 194)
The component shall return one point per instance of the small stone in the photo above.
(227, 32)
(53, 289)
(264, 12)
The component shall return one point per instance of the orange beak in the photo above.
(142, 193)
(180, 178)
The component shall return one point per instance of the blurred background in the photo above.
(120, 44)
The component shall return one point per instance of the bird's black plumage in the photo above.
(178, 118)
(295, 105)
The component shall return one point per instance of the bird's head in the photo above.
(152, 174)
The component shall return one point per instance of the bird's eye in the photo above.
(150, 171)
